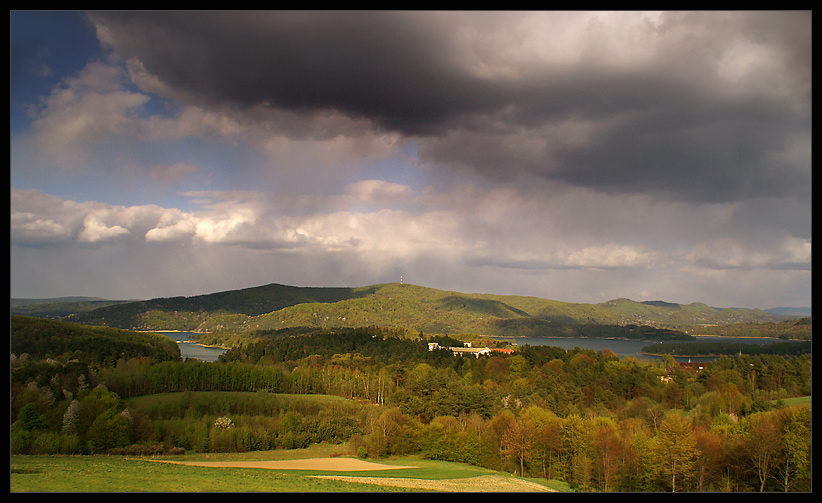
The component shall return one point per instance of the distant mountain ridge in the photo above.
(58, 307)
(52, 300)
(790, 311)
(275, 306)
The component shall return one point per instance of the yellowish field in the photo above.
(483, 483)
(330, 464)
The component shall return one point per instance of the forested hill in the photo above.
(58, 307)
(423, 309)
(42, 339)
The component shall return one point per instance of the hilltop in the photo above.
(276, 306)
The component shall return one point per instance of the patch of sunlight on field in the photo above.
(121, 474)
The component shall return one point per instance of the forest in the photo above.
(274, 306)
(729, 348)
(596, 421)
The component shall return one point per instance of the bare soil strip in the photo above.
(329, 464)
(484, 483)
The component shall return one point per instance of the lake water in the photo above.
(192, 350)
(624, 348)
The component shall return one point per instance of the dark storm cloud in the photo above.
(724, 152)
(392, 68)
(712, 112)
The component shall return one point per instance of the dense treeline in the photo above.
(41, 338)
(386, 345)
(239, 422)
(533, 327)
(799, 329)
(729, 348)
(586, 417)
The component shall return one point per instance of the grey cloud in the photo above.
(390, 67)
(555, 154)
(724, 158)
(705, 115)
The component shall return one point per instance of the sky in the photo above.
(574, 156)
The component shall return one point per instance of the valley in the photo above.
(373, 374)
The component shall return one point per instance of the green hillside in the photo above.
(274, 306)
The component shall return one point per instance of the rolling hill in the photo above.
(275, 306)
(59, 306)
(40, 338)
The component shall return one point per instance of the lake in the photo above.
(191, 349)
(624, 348)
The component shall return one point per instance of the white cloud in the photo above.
(725, 254)
(95, 230)
(445, 245)
(172, 231)
(89, 108)
(26, 226)
(611, 255)
(227, 227)
(797, 250)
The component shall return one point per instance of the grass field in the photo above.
(802, 400)
(123, 474)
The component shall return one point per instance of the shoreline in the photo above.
(213, 346)
(628, 339)
(172, 332)
(163, 332)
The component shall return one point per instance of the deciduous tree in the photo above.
(795, 467)
(676, 449)
(763, 444)
(709, 458)
(605, 445)
(516, 442)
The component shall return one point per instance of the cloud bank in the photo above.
(579, 156)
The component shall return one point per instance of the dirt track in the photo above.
(330, 464)
(485, 483)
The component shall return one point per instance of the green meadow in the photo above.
(101, 474)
